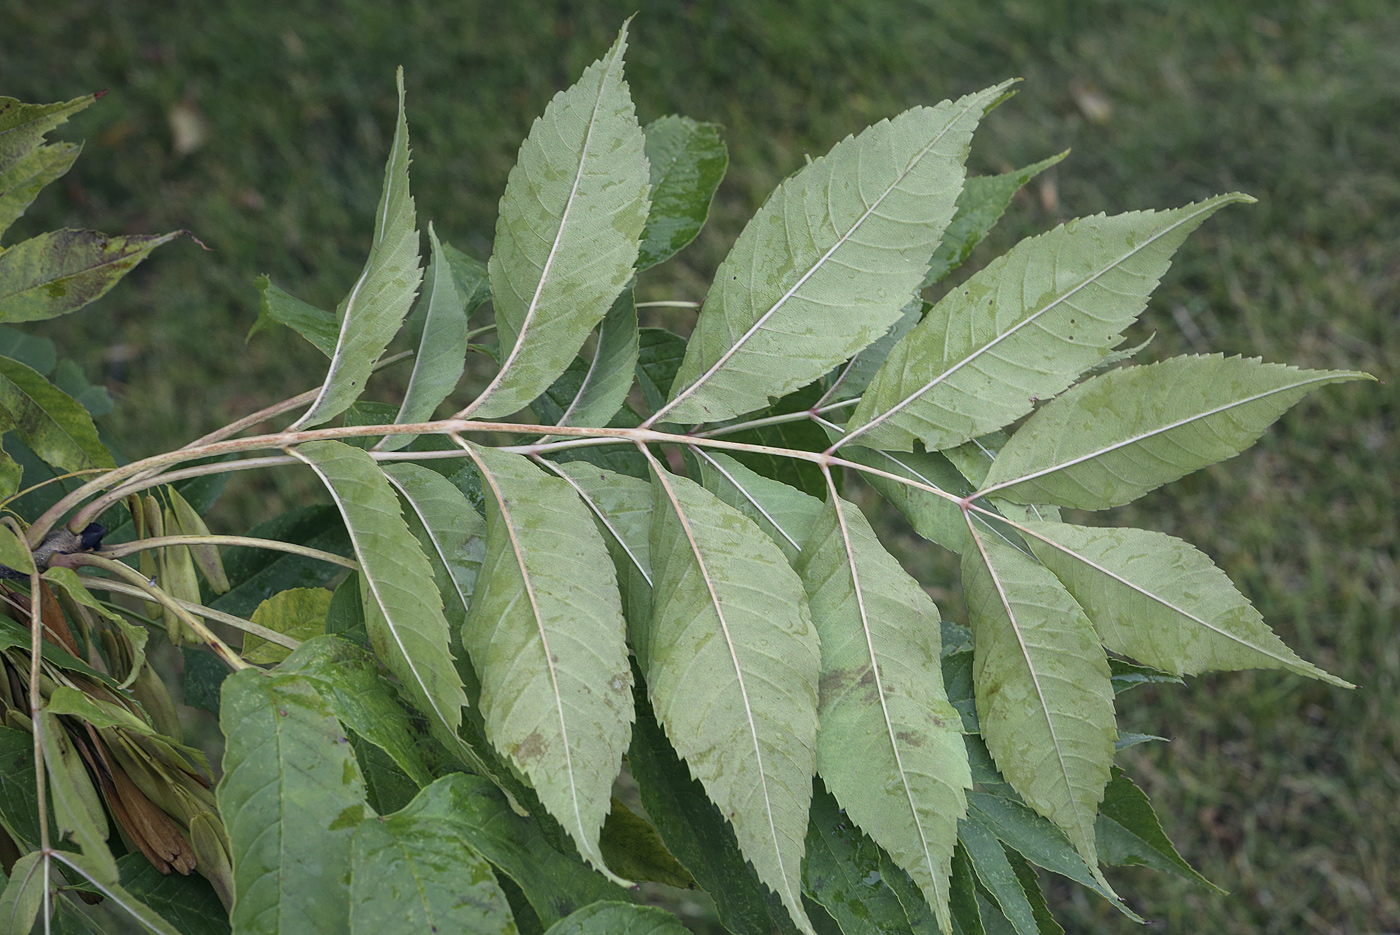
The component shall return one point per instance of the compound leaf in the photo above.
(291, 797)
(828, 263)
(568, 232)
(1021, 329)
(546, 636)
(1044, 699)
(1113, 438)
(732, 669)
(375, 308)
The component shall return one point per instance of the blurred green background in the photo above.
(262, 128)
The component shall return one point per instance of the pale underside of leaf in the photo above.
(890, 745)
(1158, 600)
(732, 672)
(622, 507)
(610, 370)
(403, 610)
(1021, 329)
(449, 524)
(569, 229)
(1115, 437)
(785, 513)
(828, 263)
(546, 635)
(375, 308)
(442, 351)
(1043, 695)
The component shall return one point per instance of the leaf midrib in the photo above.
(1044, 706)
(1014, 329)
(817, 265)
(734, 660)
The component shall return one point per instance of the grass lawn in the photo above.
(262, 128)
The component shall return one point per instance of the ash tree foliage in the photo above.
(429, 685)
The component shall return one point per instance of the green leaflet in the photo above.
(850, 382)
(375, 308)
(983, 200)
(546, 636)
(14, 553)
(1157, 599)
(659, 356)
(442, 349)
(23, 895)
(451, 533)
(1129, 832)
(291, 797)
(591, 392)
(61, 271)
(297, 612)
(276, 305)
(842, 872)
(696, 832)
(741, 710)
(188, 903)
(785, 513)
(890, 746)
(470, 276)
(53, 424)
(21, 183)
(412, 872)
(1022, 328)
(27, 164)
(478, 814)
(23, 126)
(19, 811)
(1111, 439)
(827, 264)
(348, 680)
(612, 918)
(622, 507)
(1040, 842)
(403, 611)
(687, 161)
(994, 872)
(77, 810)
(568, 231)
(1044, 700)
